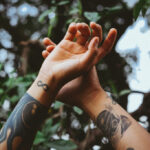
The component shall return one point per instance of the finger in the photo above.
(71, 32)
(96, 30)
(47, 42)
(45, 53)
(50, 48)
(91, 53)
(107, 45)
(84, 35)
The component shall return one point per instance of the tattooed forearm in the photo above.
(43, 85)
(19, 131)
(112, 125)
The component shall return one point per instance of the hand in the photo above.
(70, 59)
(84, 88)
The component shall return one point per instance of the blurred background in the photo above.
(124, 73)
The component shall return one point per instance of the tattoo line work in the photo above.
(43, 85)
(21, 127)
(111, 124)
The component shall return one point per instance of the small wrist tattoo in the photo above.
(43, 85)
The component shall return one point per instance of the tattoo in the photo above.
(125, 123)
(112, 125)
(108, 123)
(20, 129)
(130, 148)
(43, 85)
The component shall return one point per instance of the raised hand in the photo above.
(81, 89)
(70, 59)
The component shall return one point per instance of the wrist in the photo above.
(44, 88)
(95, 103)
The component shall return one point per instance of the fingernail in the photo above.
(114, 33)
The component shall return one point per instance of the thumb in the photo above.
(91, 53)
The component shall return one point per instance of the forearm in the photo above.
(116, 124)
(20, 129)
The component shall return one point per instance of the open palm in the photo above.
(69, 59)
(76, 91)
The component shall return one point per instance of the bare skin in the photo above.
(112, 120)
(75, 92)
(69, 60)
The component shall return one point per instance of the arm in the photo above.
(20, 129)
(69, 60)
(116, 124)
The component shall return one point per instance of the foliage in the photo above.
(43, 140)
(141, 6)
(52, 19)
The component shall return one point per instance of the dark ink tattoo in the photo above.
(43, 85)
(125, 123)
(112, 124)
(130, 148)
(20, 129)
(108, 123)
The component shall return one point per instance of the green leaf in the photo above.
(74, 11)
(54, 128)
(80, 7)
(113, 87)
(50, 129)
(62, 145)
(53, 2)
(58, 104)
(114, 9)
(47, 126)
(21, 89)
(9, 82)
(144, 10)
(39, 138)
(63, 3)
(1, 66)
(31, 76)
(14, 99)
(138, 7)
(124, 92)
(145, 7)
(69, 21)
(43, 15)
(92, 16)
(78, 110)
(1, 91)
(49, 122)
(52, 24)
